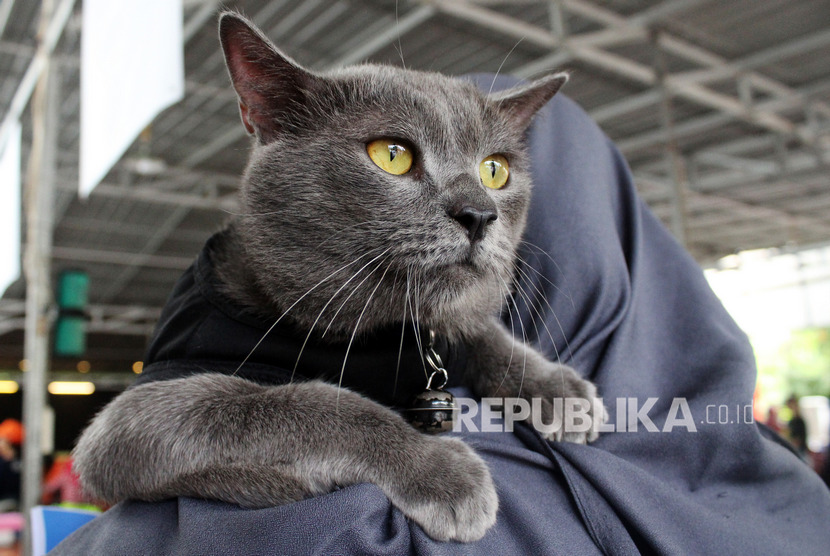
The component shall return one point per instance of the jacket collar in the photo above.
(202, 330)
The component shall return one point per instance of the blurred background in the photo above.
(721, 107)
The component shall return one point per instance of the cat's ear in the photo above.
(267, 82)
(522, 102)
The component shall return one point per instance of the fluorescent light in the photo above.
(8, 387)
(76, 388)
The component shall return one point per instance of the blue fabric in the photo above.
(50, 525)
(628, 308)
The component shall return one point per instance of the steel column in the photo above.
(39, 206)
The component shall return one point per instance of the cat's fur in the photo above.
(320, 217)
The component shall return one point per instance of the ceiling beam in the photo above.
(46, 46)
(658, 137)
(79, 254)
(151, 245)
(5, 12)
(227, 203)
(752, 211)
(374, 44)
(725, 69)
(625, 106)
(766, 163)
(625, 67)
(205, 13)
(136, 320)
(632, 144)
(662, 10)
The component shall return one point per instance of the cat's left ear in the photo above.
(269, 84)
(521, 103)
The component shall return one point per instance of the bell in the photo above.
(432, 411)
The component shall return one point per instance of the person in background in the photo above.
(61, 486)
(772, 420)
(11, 437)
(797, 428)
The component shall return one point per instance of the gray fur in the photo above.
(338, 245)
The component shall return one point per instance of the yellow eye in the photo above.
(494, 171)
(390, 156)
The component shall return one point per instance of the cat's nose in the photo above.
(474, 220)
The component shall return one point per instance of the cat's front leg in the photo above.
(563, 405)
(221, 437)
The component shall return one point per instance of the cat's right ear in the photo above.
(267, 82)
(521, 103)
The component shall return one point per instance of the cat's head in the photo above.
(376, 194)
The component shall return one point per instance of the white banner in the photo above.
(132, 68)
(10, 209)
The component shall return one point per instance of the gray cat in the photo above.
(369, 189)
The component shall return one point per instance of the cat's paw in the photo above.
(567, 407)
(449, 492)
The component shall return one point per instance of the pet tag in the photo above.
(433, 410)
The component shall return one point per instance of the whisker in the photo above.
(540, 251)
(271, 328)
(532, 304)
(524, 335)
(403, 332)
(354, 332)
(416, 323)
(552, 313)
(400, 47)
(323, 310)
(506, 296)
(354, 290)
(532, 307)
(534, 313)
(502, 64)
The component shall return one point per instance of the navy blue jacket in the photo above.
(629, 309)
